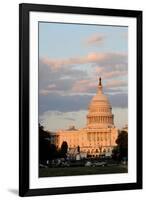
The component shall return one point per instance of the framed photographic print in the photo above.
(80, 100)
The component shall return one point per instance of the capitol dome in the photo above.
(100, 111)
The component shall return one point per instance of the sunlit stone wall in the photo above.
(99, 135)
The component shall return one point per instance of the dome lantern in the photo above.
(100, 87)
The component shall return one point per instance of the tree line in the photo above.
(47, 150)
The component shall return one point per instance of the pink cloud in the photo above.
(44, 92)
(51, 86)
(58, 63)
(94, 57)
(83, 86)
(113, 74)
(99, 70)
(106, 72)
(80, 86)
(95, 39)
(116, 83)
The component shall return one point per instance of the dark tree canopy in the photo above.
(122, 140)
(121, 151)
(43, 133)
(78, 149)
(44, 138)
(64, 148)
(47, 150)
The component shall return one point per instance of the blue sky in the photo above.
(53, 37)
(71, 58)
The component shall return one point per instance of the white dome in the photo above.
(100, 97)
(98, 101)
(100, 114)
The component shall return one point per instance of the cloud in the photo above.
(119, 100)
(117, 71)
(62, 87)
(54, 101)
(116, 83)
(74, 80)
(113, 74)
(99, 70)
(94, 57)
(83, 86)
(80, 87)
(95, 39)
(44, 92)
(70, 118)
(88, 86)
(51, 86)
(52, 121)
(56, 64)
(61, 80)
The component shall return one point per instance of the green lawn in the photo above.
(72, 171)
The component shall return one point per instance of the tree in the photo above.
(121, 150)
(78, 149)
(43, 133)
(44, 138)
(64, 148)
(52, 152)
(47, 151)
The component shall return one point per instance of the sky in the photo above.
(71, 59)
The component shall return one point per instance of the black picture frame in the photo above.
(24, 10)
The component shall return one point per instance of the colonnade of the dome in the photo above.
(100, 119)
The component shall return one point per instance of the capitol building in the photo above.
(98, 136)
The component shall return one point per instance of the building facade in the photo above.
(99, 135)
